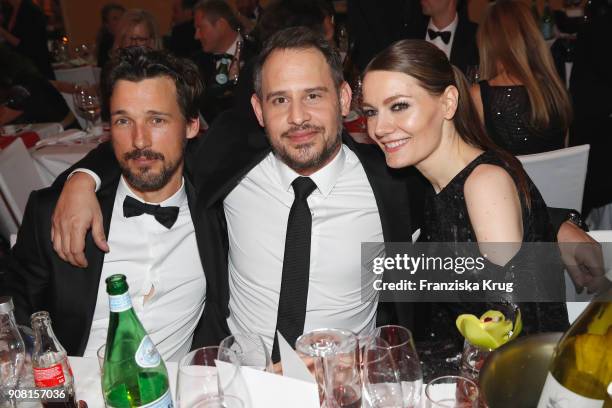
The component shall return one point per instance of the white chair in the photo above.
(605, 238)
(559, 175)
(18, 177)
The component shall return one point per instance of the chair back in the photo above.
(605, 238)
(559, 175)
(18, 178)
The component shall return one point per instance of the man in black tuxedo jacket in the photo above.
(151, 98)
(216, 27)
(451, 31)
(181, 40)
(376, 25)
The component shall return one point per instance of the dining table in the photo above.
(52, 160)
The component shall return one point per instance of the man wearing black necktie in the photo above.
(451, 31)
(151, 100)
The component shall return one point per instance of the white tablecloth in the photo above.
(87, 380)
(52, 160)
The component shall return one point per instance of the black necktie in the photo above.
(444, 35)
(166, 216)
(296, 267)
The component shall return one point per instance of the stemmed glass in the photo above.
(249, 349)
(335, 355)
(87, 104)
(402, 350)
(225, 401)
(197, 376)
(381, 380)
(451, 391)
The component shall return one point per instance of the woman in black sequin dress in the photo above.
(521, 99)
(420, 113)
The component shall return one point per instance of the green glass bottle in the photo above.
(547, 22)
(134, 373)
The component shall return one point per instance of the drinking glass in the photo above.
(380, 376)
(451, 391)
(403, 353)
(100, 354)
(12, 351)
(335, 355)
(250, 350)
(225, 401)
(197, 376)
(87, 104)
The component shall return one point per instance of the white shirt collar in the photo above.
(451, 27)
(325, 178)
(178, 199)
(232, 49)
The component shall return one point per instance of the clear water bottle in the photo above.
(12, 352)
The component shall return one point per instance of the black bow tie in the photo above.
(444, 35)
(166, 216)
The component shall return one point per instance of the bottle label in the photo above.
(165, 401)
(555, 395)
(49, 377)
(221, 78)
(147, 355)
(120, 303)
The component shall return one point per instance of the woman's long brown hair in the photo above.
(509, 38)
(428, 65)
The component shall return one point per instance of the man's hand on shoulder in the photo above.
(77, 211)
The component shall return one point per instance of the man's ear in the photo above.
(345, 95)
(256, 103)
(193, 127)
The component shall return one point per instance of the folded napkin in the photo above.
(29, 139)
(63, 137)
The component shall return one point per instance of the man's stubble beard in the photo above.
(303, 162)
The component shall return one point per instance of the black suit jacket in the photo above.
(38, 279)
(464, 51)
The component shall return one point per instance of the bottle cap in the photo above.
(6, 304)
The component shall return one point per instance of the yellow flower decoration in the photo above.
(491, 330)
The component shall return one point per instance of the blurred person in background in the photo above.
(450, 29)
(137, 28)
(111, 15)
(25, 30)
(181, 41)
(591, 87)
(26, 96)
(217, 29)
(521, 99)
(248, 13)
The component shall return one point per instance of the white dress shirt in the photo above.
(154, 258)
(344, 214)
(452, 27)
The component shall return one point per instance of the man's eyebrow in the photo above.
(149, 112)
(307, 90)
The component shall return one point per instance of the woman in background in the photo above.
(521, 99)
(137, 28)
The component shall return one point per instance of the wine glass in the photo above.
(87, 104)
(250, 350)
(225, 401)
(197, 376)
(403, 353)
(380, 376)
(335, 355)
(451, 391)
